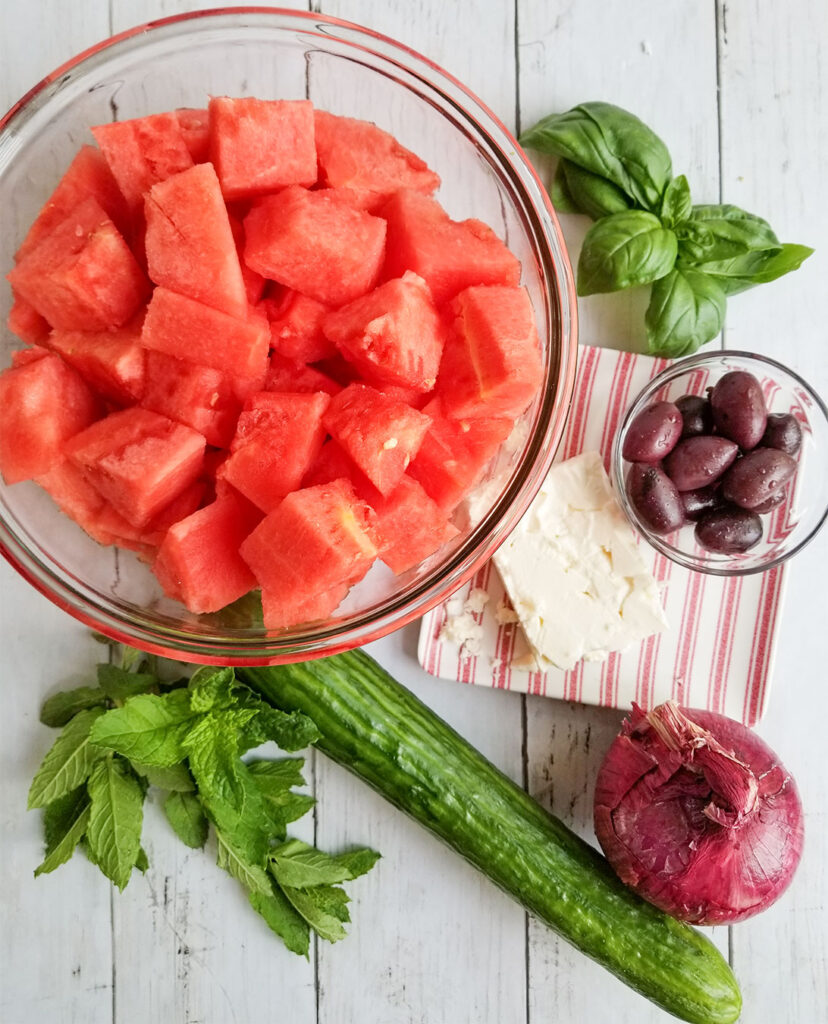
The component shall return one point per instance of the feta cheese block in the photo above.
(573, 571)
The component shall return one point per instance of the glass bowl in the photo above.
(345, 69)
(789, 527)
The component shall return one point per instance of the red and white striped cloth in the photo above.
(718, 652)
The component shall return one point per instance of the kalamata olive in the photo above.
(702, 500)
(696, 415)
(654, 497)
(739, 410)
(774, 501)
(699, 461)
(729, 530)
(783, 432)
(751, 480)
(653, 433)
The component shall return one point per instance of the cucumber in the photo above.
(372, 725)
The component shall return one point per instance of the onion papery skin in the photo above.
(707, 824)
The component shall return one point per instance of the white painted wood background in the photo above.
(738, 92)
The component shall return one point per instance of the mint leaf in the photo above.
(141, 861)
(274, 779)
(288, 730)
(359, 861)
(116, 815)
(119, 684)
(58, 709)
(281, 812)
(189, 822)
(69, 761)
(64, 824)
(686, 310)
(212, 688)
(148, 728)
(324, 908)
(624, 250)
(282, 919)
(175, 778)
(300, 866)
(281, 773)
(249, 872)
(212, 747)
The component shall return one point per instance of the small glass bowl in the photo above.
(792, 524)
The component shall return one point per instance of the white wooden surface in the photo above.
(737, 91)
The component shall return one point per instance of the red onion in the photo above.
(698, 815)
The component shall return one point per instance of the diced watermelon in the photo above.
(112, 362)
(199, 334)
(189, 242)
(199, 563)
(254, 284)
(317, 246)
(334, 463)
(195, 130)
(77, 498)
(491, 363)
(43, 403)
(277, 438)
(296, 327)
(22, 356)
(380, 434)
(82, 276)
(360, 156)
(280, 610)
(200, 397)
(261, 145)
(145, 540)
(454, 454)
(393, 335)
(25, 321)
(142, 152)
(138, 460)
(285, 375)
(87, 177)
(410, 526)
(450, 255)
(356, 199)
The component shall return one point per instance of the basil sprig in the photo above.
(616, 170)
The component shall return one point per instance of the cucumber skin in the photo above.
(372, 725)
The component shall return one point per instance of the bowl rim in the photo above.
(677, 368)
(272, 650)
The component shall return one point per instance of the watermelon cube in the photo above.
(360, 156)
(296, 327)
(145, 540)
(25, 321)
(142, 152)
(138, 460)
(44, 403)
(77, 498)
(314, 244)
(199, 334)
(491, 363)
(393, 335)
(195, 130)
(189, 241)
(261, 145)
(112, 362)
(334, 463)
(22, 356)
(254, 284)
(379, 433)
(82, 276)
(286, 375)
(450, 255)
(197, 396)
(410, 526)
(282, 609)
(277, 438)
(199, 563)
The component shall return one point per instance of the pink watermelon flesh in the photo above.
(283, 609)
(450, 255)
(334, 463)
(44, 403)
(410, 526)
(195, 131)
(491, 363)
(112, 362)
(22, 356)
(189, 241)
(25, 321)
(82, 276)
(392, 335)
(380, 434)
(254, 284)
(138, 460)
(261, 145)
(142, 152)
(286, 375)
(315, 245)
(145, 540)
(296, 327)
(77, 498)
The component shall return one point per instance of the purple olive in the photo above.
(757, 476)
(739, 411)
(654, 497)
(702, 500)
(783, 432)
(696, 415)
(699, 461)
(653, 433)
(729, 530)
(774, 501)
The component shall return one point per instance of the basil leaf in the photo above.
(592, 194)
(189, 822)
(686, 310)
(64, 824)
(115, 819)
(58, 709)
(149, 728)
(611, 143)
(742, 272)
(175, 778)
(282, 919)
(559, 192)
(623, 250)
(718, 232)
(119, 684)
(323, 907)
(301, 866)
(211, 688)
(69, 762)
(676, 203)
(359, 861)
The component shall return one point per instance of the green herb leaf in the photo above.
(288, 730)
(746, 271)
(592, 194)
(676, 204)
(142, 861)
(624, 250)
(58, 709)
(282, 919)
(358, 861)
(249, 872)
(559, 192)
(189, 822)
(212, 746)
(116, 816)
(280, 774)
(69, 762)
(721, 231)
(212, 688)
(324, 908)
(64, 824)
(300, 866)
(118, 684)
(175, 778)
(611, 143)
(686, 310)
(149, 728)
